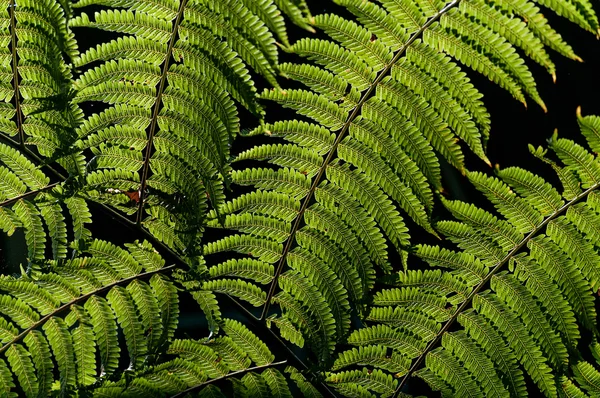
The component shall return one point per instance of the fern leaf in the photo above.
(234, 356)
(328, 251)
(119, 259)
(476, 362)
(38, 346)
(21, 365)
(210, 307)
(569, 389)
(542, 288)
(277, 383)
(265, 250)
(514, 208)
(201, 355)
(251, 344)
(519, 299)
(287, 330)
(166, 294)
(564, 272)
(18, 311)
(80, 216)
(317, 308)
(306, 388)
(494, 347)
(84, 347)
(373, 355)
(581, 251)
(34, 230)
(62, 347)
(254, 385)
(441, 362)
(518, 339)
(375, 380)
(465, 262)
(578, 159)
(123, 306)
(30, 293)
(7, 381)
(379, 173)
(590, 128)
(326, 281)
(413, 299)
(55, 221)
(105, 330)
(148, 307)
(383, 335)
(587, 376)
(237, 288)
(244, 268)
(348, 210)
(499, 230)
(23, 168)
(534, 189)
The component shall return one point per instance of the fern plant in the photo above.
(139, 127)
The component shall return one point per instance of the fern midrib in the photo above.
(157, 107)
(28, 194)
(332, 152)
(495, 269)
(79, 299)
(15, 63)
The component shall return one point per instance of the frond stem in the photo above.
(484, 282)
(15, 64)
(228, 375)
(26, 195)
(157, 107)
(83, 297)
(342, 133)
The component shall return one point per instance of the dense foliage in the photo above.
(298, 253)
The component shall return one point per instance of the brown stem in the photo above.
(10, 201)
(15, 62)
(154, 122)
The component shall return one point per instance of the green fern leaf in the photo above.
(21, 365)
(201, 355)
(7, 381)
(122, 303)
(40, 353)
(237, 288)
(62, 347)
(256, 349)
(166, 294)
(105, 330)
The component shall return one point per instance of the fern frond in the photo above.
(155, 64)
(531, 320)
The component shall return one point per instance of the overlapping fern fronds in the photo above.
(170, 82)
(64, 314)
(522, 290)
(68, 315)
(387, 97)
(29, 201)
